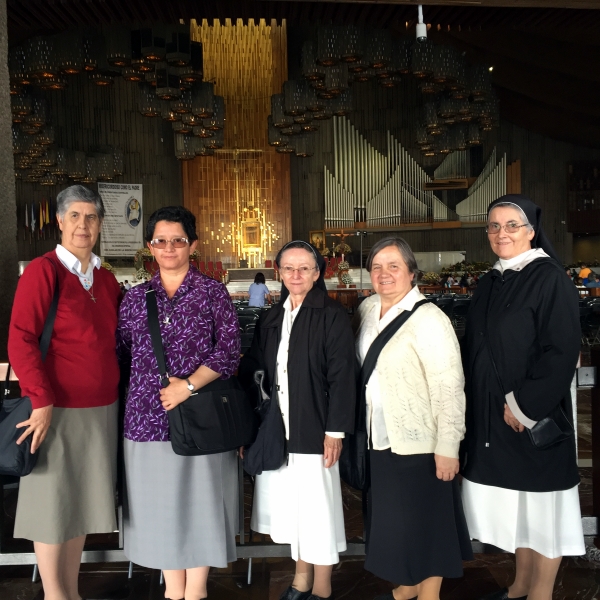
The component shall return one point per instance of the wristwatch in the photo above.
(190, 385)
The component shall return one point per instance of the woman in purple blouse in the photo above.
(180, 511)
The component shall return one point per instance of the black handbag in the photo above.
(269, 450)
(354, 465)
(17, 460)
(551, 430)
(216, 418)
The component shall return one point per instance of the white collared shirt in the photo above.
(519, 262)
(370, 328)
(73, 265)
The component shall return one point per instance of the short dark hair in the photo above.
(259, 278)
(173, 214)
(405, 250)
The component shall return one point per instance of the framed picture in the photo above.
(251, 234)
(317, 239)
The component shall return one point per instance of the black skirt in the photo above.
(416, 526)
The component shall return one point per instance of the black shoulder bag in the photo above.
(216, 418)
(551, 430)
(353, 459)
(17, 460)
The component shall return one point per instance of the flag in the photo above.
(32, 217)
(26, 217)
(47, 213)
(41, 217)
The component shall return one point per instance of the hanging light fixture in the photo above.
(153, 43)
(473, 135)
(69, 52)
(16, 65)
(352, 47)
(46, 135)
(460, 68)
(201, 148)
(203, 99)
(48, 159)
(309, 66)
(75, 164)
(57, 82)
(167, 113)
(480, 83)
(193, 71)
(48, 179)
(167, 83)
(91, 170)
(138, 61)
(309, 127)
(274, 134)
(190, 119)
(293, 98)
(304, 145)
(432, 120)
(183, 147)
(312, 102)
(323, 115)
(336, 79)
(217, 121)
(401, 56)
(291, 130)
(445, 65)
(430, 87)
(343, 104)
(92, 49)
(118, 161)
(422, 59)
(40, 58)
(285, 149)
(328, 46)
(149, 103)
(39, 112)
(117, 40)
(20, 106)
(378, 48)
(183, 104)
(216, 141)
(60, 167)
(178, 53)
(280, 119)
(202, 132)
(133, 75)
(181, 127)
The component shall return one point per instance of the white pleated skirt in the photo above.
(301, 504)
(547, 522)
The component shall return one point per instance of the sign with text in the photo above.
(122, 229)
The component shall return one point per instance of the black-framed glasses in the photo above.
(511, 227)
(178, 242)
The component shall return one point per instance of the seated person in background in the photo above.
(569, 274)
(258, 291)
(584, 273)
(578, 281)
(450, 281)
(594, 281)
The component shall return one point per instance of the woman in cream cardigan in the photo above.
(415, 407)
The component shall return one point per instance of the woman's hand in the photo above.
(332, 450)
(175, 393)
(37, 424)
(445, 467)
(512, 421)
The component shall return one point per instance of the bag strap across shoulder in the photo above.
(155, 335)
(381, 340)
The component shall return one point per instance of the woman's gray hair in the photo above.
(405, 251)
(518, 209)
(78, 193)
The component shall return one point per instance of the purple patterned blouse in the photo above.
(202, 330)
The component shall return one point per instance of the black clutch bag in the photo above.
(216, 418)
(551, 430)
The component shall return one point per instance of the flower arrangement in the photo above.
(108, 267)
(325, 251)
(346, 278)
(140, 256)
(142, 275)
(343, 266)
(342, 248)
(431, 278)
(465, 267)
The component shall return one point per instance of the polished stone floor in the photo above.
(579, 579)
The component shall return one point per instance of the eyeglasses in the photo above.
(511, 227)
(161, 243)
(301, 270)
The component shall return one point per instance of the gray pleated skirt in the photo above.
(180, 512)
(71, 490)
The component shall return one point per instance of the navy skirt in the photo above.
(416, 526)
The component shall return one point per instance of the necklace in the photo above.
(91, 293)
(88, 286)
(167, 319)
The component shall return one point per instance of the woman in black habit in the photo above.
(524, 317)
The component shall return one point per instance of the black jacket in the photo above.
(321, 368)
(534, 333)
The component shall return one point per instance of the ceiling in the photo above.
(545, 53)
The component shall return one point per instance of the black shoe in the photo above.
(501, 595)
(315, 597)
(293, 594)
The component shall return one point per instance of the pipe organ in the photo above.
(490, 185)
(371, 188)
(456, 165)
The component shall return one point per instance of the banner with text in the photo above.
(122, 230)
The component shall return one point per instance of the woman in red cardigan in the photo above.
(70, 492)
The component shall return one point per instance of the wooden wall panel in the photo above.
(543, 168)
(246, 182)
(85, 117)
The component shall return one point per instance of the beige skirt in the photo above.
(71, 490)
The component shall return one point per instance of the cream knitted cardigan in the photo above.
(422, 383)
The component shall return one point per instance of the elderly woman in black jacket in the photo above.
(521, 347)
(305, 343)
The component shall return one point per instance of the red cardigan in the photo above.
(81, 369)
